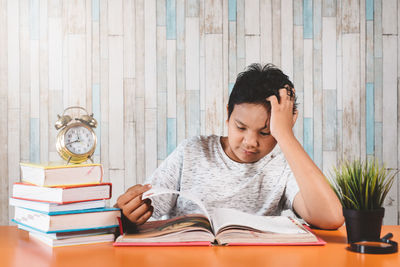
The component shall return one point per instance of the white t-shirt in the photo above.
(199, 166)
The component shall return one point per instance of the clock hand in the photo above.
(77, 140)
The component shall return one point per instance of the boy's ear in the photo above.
(227, 115)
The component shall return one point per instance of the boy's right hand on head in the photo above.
(133, 207)
(282, 116)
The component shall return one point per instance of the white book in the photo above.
(67, 221)
(54, 207)
(62, 194)
(65, 235)
(79, 240)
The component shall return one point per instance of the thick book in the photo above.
(55, 174)
(62, 194)
(67, 221)
(72, 238)
(72, 234)
(79, 240)
(54, 207)
(223, 227)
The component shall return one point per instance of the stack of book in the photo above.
(64, 205)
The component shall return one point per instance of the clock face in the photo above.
(79, 140)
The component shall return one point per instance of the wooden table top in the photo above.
(16, 249)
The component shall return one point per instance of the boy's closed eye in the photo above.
(263, 133)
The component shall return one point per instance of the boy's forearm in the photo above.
(320, 202)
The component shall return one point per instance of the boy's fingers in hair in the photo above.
(284, 93)
(290, 91)
(145, 216)
(131, 193)
(293, 96)
(273, 100)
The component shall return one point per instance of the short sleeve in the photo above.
(167, 175)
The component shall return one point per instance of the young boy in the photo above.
(245, 170)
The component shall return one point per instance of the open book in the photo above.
(222, 227)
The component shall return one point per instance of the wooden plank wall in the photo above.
(155, 72)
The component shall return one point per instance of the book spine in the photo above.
(62, 231)
(121, 230)
(61, 202)
(55, 213)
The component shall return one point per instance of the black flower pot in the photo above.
(363, 224)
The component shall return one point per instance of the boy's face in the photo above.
(249, 137)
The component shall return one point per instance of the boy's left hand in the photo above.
(282, 118)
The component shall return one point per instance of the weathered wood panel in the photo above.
(4, 190)
(287, 37)
(116, 102)
(390, 120)
(192, 52)
(276, 32)
(252, 17)
(180, 72)
(44, 82)
(308, 78)
(351, 100)
(161, 92)
(317, 82)
(213, 15)
(214, 89)
(115, 17)
(140, 91)
(104, 87)
(298, 79)
(350, 16)
(389, 16)
(24, 51)
(252, 49)
(266, 31)
(363, 147)
(129, 38)
(13, 97)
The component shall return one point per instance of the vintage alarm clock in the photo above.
(76, 141)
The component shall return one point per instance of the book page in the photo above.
(156, 191)
(179, 224)
(277, 224)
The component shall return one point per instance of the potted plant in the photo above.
(362, 188)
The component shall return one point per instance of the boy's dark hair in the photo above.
(257, 83)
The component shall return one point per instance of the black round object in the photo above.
(377, 246)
